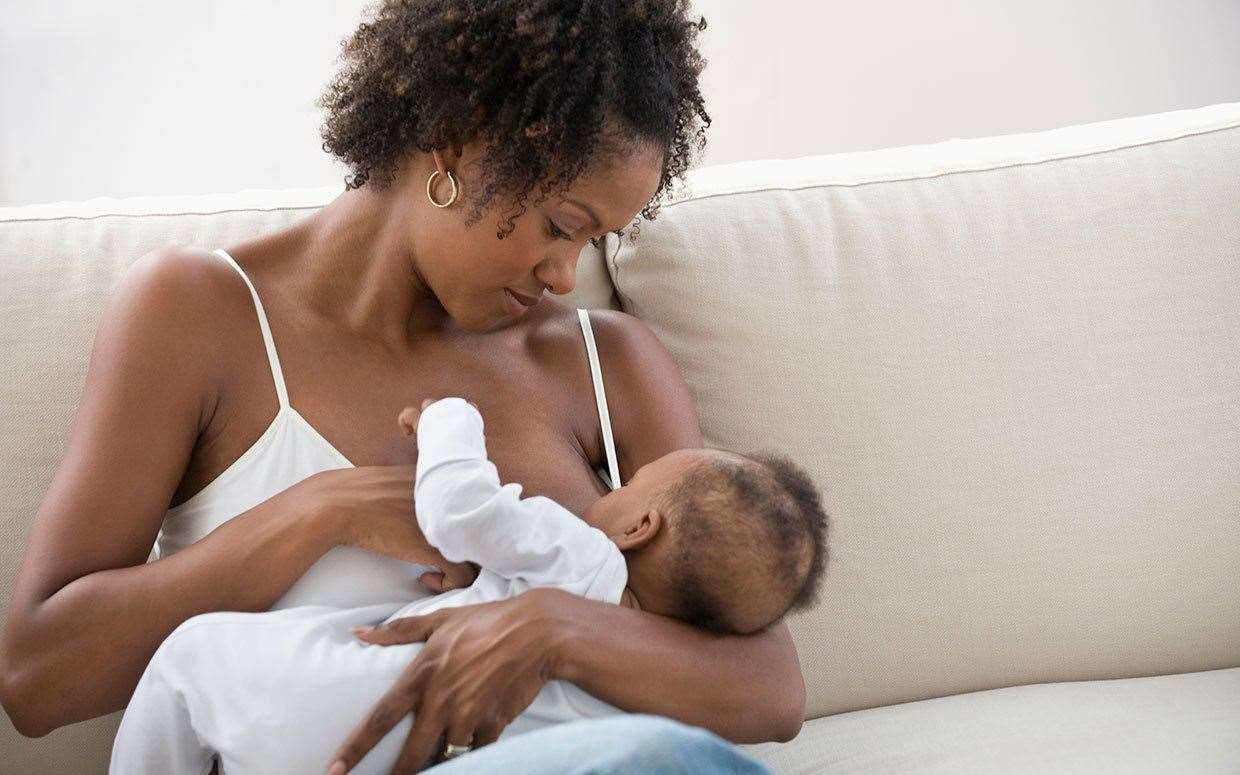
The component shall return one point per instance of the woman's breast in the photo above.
(541, 427)
(544, 457)
(544, 462)
(548, 462)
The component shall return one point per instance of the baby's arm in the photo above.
(467, 514)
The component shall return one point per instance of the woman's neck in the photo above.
(358, 268)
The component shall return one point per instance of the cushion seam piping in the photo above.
(281, 208)
(945, 173)
(693, 198)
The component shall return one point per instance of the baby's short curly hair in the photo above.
(549, 87)
(750, 540)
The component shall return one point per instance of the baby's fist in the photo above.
(408, 419)
(409, 416)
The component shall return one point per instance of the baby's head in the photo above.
(724, 541)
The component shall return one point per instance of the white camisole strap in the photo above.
(277, 373)
(600, 395)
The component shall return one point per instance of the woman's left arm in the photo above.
(747, 689)
(483, 664)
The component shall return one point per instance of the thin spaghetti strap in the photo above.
(277, 374)
(600, 396)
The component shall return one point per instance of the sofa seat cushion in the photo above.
(1185, 723)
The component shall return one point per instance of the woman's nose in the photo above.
(560, 273)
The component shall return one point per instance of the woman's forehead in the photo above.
(619, 189)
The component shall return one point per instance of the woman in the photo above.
(488, 142)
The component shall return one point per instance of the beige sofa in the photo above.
(1013, 365)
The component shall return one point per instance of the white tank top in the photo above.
(289, 450)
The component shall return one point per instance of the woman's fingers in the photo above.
(397, 703)
(482, 665)
(487, 733)
(456, 575)
(439, 582)
(424, 742)
(460, 733)
(406, 629)
(435, 582)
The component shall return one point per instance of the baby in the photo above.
(724, 541)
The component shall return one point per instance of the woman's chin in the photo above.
(487, 321)
(484, 318)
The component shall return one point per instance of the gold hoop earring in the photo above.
(430, 185)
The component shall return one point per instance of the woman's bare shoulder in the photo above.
(631, 352)
(208, 295)
(652, 408)
(150, 387)
(198, 273)
(555, 328)
(554, 335)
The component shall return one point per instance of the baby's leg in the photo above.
(273, 692)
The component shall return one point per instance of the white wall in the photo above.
(135, 97)
(786, 80)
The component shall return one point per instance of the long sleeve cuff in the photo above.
(449, 429)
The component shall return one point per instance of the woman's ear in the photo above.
(439, 165)
(448, 157)
(639, 531)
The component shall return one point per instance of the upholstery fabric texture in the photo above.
(1010, 363)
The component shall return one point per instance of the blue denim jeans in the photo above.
(631, 743)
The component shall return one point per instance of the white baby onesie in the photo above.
(279, 691)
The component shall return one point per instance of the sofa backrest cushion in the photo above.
(1013, 366)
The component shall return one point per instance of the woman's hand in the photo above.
(481, 667)
(372, 508)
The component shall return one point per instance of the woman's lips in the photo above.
(516, 307)
(528, 301)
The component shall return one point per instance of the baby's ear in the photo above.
(639, 531)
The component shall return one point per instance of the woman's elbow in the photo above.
(790, 725)
(790, 714)
(790, 699)
(20, 706)
(777, 720)
(24, 692)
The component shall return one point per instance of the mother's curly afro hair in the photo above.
(549, 87)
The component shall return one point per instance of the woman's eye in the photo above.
(556, 231)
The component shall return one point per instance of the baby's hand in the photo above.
(409, 416)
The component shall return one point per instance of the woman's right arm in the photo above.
(87, 613)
